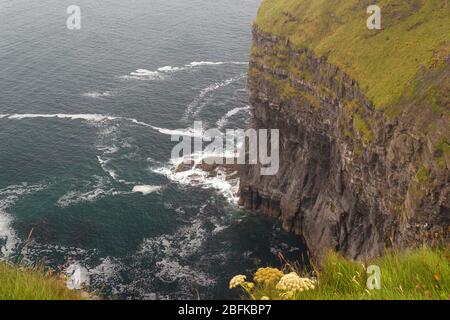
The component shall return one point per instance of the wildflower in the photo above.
(237, 281)
(248, 285)
(265, 298)
(268, 276)
(292, 282)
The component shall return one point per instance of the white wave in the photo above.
(96, 94)
(210, 63)
(189, 132)
(203, 63)
(144, 74)
(223, 121)
(103, 164)
(219, 229)
(184, 243)
(196, 106)
(169, 69)
(197, 177)
(107, 267)
(146, 189)
(7, 235)
(98, 189)
(109, 149)
(95, 118)
(160, 73)
(176, 251)
(75, 197)
(218, 226)
(8, 197)
(3, 115)
(107, 273)
(86, 117)
(171, 270)
(83, 268)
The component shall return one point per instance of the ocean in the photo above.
(87, 184)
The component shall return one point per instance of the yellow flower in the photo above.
(265, 298)
(237, 281)
(268, 276)
(292, 282)
(248, 285)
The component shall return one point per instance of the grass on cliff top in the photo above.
(415, 37)
(19, 283)
(420, 274)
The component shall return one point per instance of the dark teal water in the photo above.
(82, 132)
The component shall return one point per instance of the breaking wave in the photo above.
(197, 105)
(144, 74)
(210, 63)
(146, 189)
(96, 94)
(96, 118)
(8, 197)
(196, 176)
(224, 120)
(161, 73)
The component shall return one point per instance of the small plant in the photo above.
(277, 284)
(268, 276)
(419, 274)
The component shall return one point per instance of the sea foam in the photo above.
(8, 197)
(146, 189)
(223, 121)
(195, 107)
(162, 72)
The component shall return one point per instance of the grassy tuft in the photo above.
(363, 129)
(21, 283)
(422, 175)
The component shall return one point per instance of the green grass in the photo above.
(402, 69)
(443, 152)
(363, 129)
(419, 274)
(415, 36)
(21, 283)
(422, 175)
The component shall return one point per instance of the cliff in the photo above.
(363, 118)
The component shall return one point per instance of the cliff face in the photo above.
(358, 173)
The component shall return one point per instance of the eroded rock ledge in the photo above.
(351, 178)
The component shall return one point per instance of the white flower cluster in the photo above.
(236, 281)
(292, 282)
